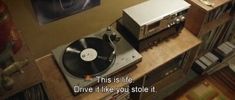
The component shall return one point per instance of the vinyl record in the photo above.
(88, 57)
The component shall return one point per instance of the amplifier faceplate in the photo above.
(141, 45)
(150, 17)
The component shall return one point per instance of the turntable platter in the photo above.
(88, 57)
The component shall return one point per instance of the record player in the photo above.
(102, 54)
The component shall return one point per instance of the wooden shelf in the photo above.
(221, 65)
(215, 23)
(152, 59)
(197, 17)
(208, 8)
(162, 84)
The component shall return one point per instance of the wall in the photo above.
(42, 39)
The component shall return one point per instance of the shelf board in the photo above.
(152, 59)
(208, 8)
(162, 84)
(221, 65)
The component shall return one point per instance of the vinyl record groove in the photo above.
(88, 56)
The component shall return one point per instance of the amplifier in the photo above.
(141, 45)
(150, 17)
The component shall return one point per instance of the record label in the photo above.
(88, 54)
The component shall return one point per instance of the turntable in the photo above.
(103, 54)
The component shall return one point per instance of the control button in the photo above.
(150, 44)
(175, 68)
(166, 73)
(155, 42)
(177, 20)
(133, 56)
(168, 25)
(108, 28)
(170, 71)
(182, 18)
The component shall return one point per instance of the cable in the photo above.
(112, 44)
(61, 5)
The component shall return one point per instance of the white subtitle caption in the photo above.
(78, 89)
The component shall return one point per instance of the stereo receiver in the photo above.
(150, 17)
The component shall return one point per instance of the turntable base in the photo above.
(57, 87)
(126, 56)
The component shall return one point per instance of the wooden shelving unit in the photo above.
(198, 14)
(152, 59)
(48, 73)
(209, 23)
(164, 83)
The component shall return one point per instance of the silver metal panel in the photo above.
(154, 10)
(126, 56)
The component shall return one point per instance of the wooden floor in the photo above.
(223, 80)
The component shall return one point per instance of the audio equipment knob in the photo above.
(182, 18)
(155, 42)
(110, 35)
(177, 20)
(108, 28)
(168, 25)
